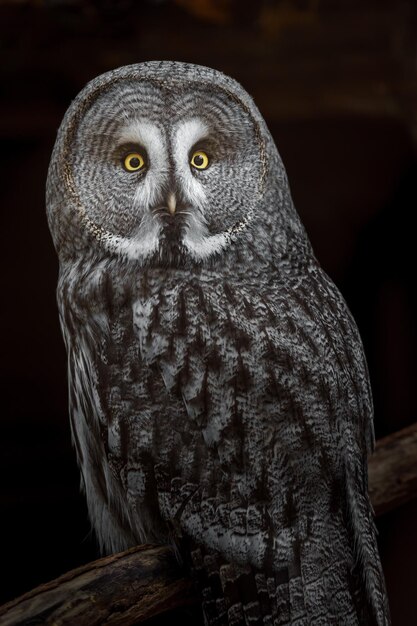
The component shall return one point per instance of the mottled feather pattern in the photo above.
(219, 395)
(221, 371)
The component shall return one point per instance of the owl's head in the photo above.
(166, 163)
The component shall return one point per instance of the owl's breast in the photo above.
(238, 361)
(213, 393)
(200, 335)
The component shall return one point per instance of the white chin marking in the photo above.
(198, 241)
(205, 247)
(136, 248)
(199, 249)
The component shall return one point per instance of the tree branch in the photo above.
(393, 470)
(121, 589)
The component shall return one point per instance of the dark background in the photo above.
(337, 84)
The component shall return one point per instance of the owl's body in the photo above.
(218, 390)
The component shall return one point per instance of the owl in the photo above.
(219, 395)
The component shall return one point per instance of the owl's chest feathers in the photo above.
(194, 334)
(218, 353)
(192, 344)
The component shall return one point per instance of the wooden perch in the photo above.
(144, 582)
(121, 589)
(393, 470)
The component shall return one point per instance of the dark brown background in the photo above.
(338, 88)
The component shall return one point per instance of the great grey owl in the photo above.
(219, 395)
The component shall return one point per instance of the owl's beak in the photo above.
(172, 203)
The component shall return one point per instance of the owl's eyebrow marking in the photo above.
(188, 133)
(142, 132)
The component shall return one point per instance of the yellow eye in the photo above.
(133, 162)
(199, 160)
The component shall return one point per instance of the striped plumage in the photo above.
(219, 394)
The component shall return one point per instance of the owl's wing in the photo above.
(263, 424)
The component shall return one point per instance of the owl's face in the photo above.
(163, 174)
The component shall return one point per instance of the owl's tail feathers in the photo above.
(235, 595)
(361, 518)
